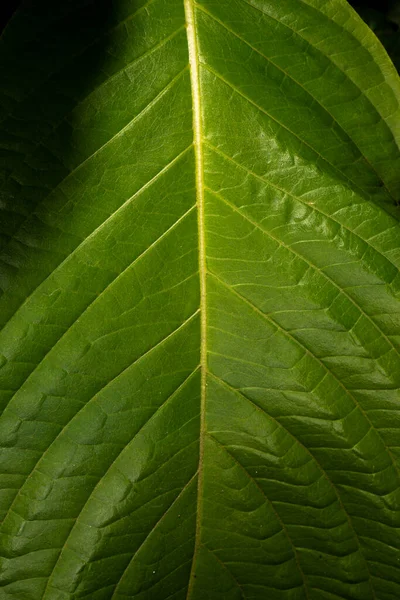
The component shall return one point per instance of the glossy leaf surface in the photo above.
(200, 259)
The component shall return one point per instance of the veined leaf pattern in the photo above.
(199, 264)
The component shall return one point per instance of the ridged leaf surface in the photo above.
(200, 251)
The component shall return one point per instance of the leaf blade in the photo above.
(203, 405)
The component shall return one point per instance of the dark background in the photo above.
(7, 7)
(384, 19)
(383, 16)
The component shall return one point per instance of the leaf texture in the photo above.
(200, 308)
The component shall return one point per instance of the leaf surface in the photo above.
(200, 312)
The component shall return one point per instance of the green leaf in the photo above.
(201, 319)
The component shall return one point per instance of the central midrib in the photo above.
(198, 150)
